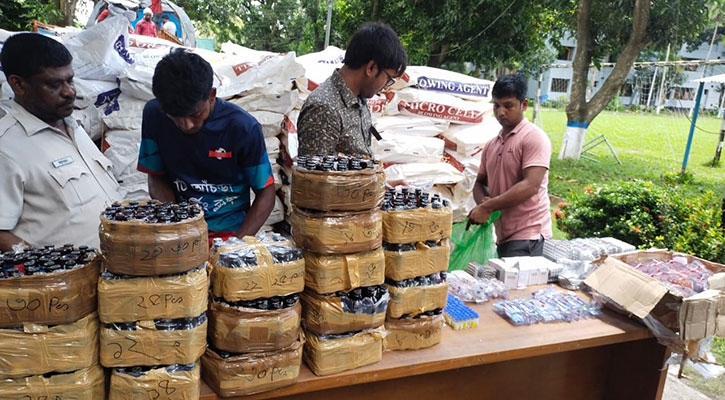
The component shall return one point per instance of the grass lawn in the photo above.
(648, 145)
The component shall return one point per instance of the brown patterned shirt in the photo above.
(334, 120)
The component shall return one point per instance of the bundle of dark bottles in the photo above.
(152, 211)
(46, 260)
(108, 275)
(267, 303)
(407, 199)
(162, 324)
(138, 372)
(407, 246)
(335, 163)
(246, 257)
(364, 300)
(426, 280)
(431, 313)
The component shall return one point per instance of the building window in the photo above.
(559, 85)
(683, 93)
(565, 54)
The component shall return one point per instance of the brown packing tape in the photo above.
(338, 190)
(327, 357)
(58, 298)
(266, 279)
(412, 334)
(143, 298)
(331, 273)
(422, 261)
(335, 232)
(84, 384)
(42, 349)
(245, 330)
(417, 225)
(249, 373)
(416, 299)
(142, 249)
(325, 315)
(156, 384)
(148, 346)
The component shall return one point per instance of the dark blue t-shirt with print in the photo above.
(216, 166)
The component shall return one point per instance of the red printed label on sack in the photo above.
(377, 106)
(242, 68)
(288, 125)
(441, 111)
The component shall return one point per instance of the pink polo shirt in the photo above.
(503, 160)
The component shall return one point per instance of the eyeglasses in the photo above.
(390, 80)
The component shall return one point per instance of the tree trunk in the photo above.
(438, 54)
(579, 112)
(375, 16)
(68, 8)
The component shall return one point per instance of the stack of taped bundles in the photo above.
(152, 298)
(416, 228)
(337, 220)
(49, 325)
(254, 315)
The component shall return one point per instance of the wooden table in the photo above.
(611, 357)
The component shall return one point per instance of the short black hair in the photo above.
(164, 16)
(27, 54)
(181, 80)
(510, 85)
(379, 43)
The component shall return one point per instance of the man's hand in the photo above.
(480, 214)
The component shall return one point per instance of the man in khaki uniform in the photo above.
(54, 182)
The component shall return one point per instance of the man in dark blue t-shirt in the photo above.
(196, 146)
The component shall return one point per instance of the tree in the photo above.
(622, 28)
(16, 15)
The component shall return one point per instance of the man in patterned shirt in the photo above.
(335, 117)
(196, 146)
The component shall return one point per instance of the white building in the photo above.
(556, 82)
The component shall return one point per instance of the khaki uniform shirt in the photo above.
(53, 188)
(333, 120)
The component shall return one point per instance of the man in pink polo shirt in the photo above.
(513, 176)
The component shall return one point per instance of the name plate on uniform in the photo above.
(62, 161)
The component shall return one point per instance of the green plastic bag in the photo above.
(475, 244)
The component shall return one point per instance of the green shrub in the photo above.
(647, 215)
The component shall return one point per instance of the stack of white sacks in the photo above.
(433, 122)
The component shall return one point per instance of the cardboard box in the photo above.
(243, 374)
(521, 272)
(157, 383)
(505, 272)
(330, 356)
(413, 333)
(331, 273)
(143, 298)
(39, 349)
(417, 225)
(643, 296)
(246, 330)
(338, 190)
(266, 279)
(424, 260)
(327, 315)
(147, 346)
(49, 299)
(337, 232)
(142, 249)
(414, 300)
(84, 384)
